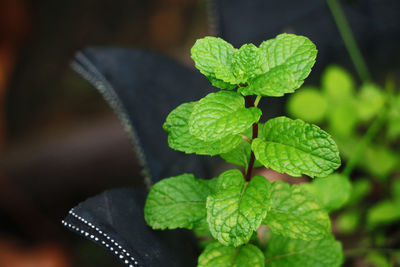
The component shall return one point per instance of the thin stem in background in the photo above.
(362, 70)
(349, 41)
(360, 251)
(364, 143)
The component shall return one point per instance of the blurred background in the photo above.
(61, 143)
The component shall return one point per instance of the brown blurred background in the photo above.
(59, 141)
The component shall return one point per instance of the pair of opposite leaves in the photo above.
(214, 124)
(232, 210)
(276, 67)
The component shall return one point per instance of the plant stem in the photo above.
(257, 100)
(349, 41)
(249, 168)
(245, 138)
(364, 143)
(235, 256)
(252, 157)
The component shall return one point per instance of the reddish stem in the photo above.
(255, 135)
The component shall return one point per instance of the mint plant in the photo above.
(232, 207)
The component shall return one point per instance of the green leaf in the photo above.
(383, 213)
(360, 188)
(201, 227)
(295, 147)
(289, 59)
(220, 84)
(179, 137)
(379, 161)
(338, 89)
(396, 191)
(337, 84)
(348, 222)
(240, 155)
(221, 114)
(370, 101)
(308, 104)
(276, 82)
(393, 125)
(347, 145)
(248, 62)
(213, 57)
(238, 208)
(295, 214)
(342, 119)
(218, 255)
(377, 259)
(331, 192)
(178, 202)
(286, 252)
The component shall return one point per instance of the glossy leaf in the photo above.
(248, 62)
(220, 83)
(218, 255)
(295, 214)
(285, 252)
(289, 61)
(221, 114)
(179, 137)
(295, 147)
(177, 202)
(240, 155)
(213, 57)
(237, 209)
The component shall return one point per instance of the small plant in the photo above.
(231, 208)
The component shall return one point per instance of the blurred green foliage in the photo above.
(347, 112)
(368, 199)
(321, 188)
